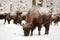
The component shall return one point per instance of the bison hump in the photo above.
(44, 10)
(34, 13)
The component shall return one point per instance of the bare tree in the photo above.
(10, 7)
(0, 5)
(50, 4)
(34, 2)
(41, 2)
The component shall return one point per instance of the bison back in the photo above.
(33, 16)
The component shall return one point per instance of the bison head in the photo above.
(26, 29)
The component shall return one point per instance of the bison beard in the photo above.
(36, 20)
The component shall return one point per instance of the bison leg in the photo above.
(8, 21)
(31, 32)
(46, 29)
(5, 21)
(39, 28)
(15, 21)
(19, 21)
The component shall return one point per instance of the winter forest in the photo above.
(29, 19)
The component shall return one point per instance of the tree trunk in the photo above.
(41, 3)
(33, 2)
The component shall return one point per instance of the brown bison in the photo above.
(16, 18)
(3, 16)
(36, 17)
(7, 18)
(55, 18)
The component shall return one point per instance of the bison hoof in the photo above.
(30, 35)
(25, 35)
(38, 34)
(4, 23)
(46, 33)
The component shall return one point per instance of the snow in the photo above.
(15, 32)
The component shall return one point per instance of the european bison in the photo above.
(7, 18)
(3, 16)
(16, 18)
(36, 17)
(23, 15)
(55, 18)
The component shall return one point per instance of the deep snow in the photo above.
(15, 32)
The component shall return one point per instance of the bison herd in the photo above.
(35, 17)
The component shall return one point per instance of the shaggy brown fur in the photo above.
(37, 20)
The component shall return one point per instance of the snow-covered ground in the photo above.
(15, 32)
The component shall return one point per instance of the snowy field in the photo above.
(15, 32)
